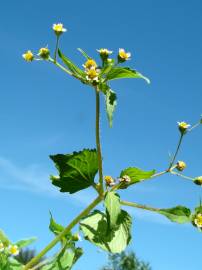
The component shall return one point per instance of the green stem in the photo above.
(60, 66)
(98, 144)
(176, 152)
(56, 48)
(63, 233)
(140, 206)
(182, 175)
(194, 126)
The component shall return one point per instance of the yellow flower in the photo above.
(123, 56)
(1, 246)
(181, 165)
(198, 220)
(92, 75)
(44, 53)
(59, 29)
(109, 180)
(28, 56)
(13, 250)
(183, 126)
(104, 52)
(90, 64)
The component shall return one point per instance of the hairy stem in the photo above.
(63, 233)
(176, 152)
(56, 48)
(141, 206)
(98, 144)
(182, 175)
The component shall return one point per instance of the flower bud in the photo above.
(28, 56)
(183, 126)
(44, 53)
(198, 180)
(123, 56)
(109, 181)
(181, 165)
(76, 237)
(125, 179)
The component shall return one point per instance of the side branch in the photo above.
(63, 233)
(140, 206)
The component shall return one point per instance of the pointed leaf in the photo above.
(3, 238)
(71, 66)
(84, 53)
(179, 214)
(76, 170)
(136, 175)
(25, 242)
(110, 105)
(124, 72)
(113, 208)
(95, 230)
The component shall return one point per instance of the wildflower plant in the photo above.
(110, 229)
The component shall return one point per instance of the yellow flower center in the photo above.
(108, 179)
(92, 74)
(58, 27)
(13, 250)
(123, 55)
(28, 56)
(198, 220)
(90, 64)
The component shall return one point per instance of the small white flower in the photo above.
(104, 52)
(124, 55)
(13, 250)
(198, 220)
(59, 29)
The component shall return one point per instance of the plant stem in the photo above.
(194, 126)
(141, 206)
(56, 48)
(60, 66)
(98, 144)
(182, 175)
(176, 152)
(63, 233)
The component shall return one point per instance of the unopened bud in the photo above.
(181, 165)
(44, 53)
(198, 180)
(183, 126)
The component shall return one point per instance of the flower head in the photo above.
(28, 56)
(59, 29)
(13, 250)
(183, 126)
(92, 75)
(181, 165)
(123, 56)
(198, 220)
(109, 181)
(1, 246)
(44, 53)
(198, 180)
(125, 179)
(104, 52)
(90, 64)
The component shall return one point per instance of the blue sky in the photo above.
(43, 112)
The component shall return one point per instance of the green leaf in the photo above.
(110, 100)
(124, 72)
(113, 208)
(55, 227)
(72, 67)
(3, 238)
(84, 53)
(95, 230)
(63, 261)
(76, 171)
(25, 242)
(14, 265)
(179, 214)
(136, 175)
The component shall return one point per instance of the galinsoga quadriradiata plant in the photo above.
(110, 230)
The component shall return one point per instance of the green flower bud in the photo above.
(198, 180)
(181, 165)
(44, 53)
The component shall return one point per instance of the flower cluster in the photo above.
(91, 70)
(11, 249)
(110, 181)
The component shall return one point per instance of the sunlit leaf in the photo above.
(111, 102)
(179, 214)
(113, 208)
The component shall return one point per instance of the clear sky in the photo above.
(43, 112)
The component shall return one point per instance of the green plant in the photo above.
(111, 229)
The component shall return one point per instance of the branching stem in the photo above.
(176, 152)
(140, 206)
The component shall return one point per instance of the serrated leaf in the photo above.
(113, 208)
(84, 53)
(179, 214)
(136, 175)
(71, 66)
(124, 72)
(76, 171)
(95, 230)
(111, 102)
(25, 242)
